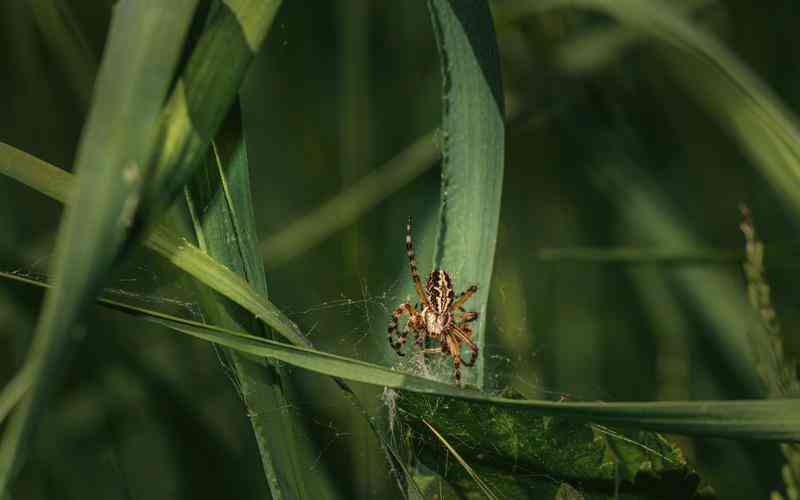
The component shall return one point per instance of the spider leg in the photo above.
(412, 264)
(393, 332)
(465, 295)
(454, 350)
(462, 333)
(467, 316)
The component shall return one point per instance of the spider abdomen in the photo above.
(440, 291)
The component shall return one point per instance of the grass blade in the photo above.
(59, 184)
(139, 62)
(773, 419)
(205, 92)
(221, 193)
(473, 152)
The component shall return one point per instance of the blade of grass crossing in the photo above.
(771, 419)
(221, 192)
(59, 184)
(141, 54)
(473, 153)
(205, 92)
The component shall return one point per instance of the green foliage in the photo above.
(609, 280)
(111, 163)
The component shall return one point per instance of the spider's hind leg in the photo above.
(465, 334)
(398, 338)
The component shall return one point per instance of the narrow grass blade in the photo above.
(221, 193)
(59, 185)
(204, 93)
(141, 54)
(475, 477)
(53, 181)
(473, 137)
(734, 95)
(772, 419)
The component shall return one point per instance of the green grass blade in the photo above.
(221, 193)
(738, 99)
(473, 152)
(772, 419)
(59, 184)
(53, 181)
(141, 54)
(205, 92)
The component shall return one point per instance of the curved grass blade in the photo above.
(771, 419)
(473, 152)
(142, 51)
(59, 184)
(204, 93)
(475, 477)
(774, 419)
(221, 193)
(741, 102)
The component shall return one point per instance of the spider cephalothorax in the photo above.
(442, 319)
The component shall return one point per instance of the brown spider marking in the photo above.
(442, 318)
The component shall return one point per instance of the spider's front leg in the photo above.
(400, 336)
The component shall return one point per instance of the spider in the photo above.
(442, 318)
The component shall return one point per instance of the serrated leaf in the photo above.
(473, 136)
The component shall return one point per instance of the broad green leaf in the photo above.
(497, 443)
(473, 142)
(145, 40)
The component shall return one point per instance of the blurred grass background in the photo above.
(339, 89)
